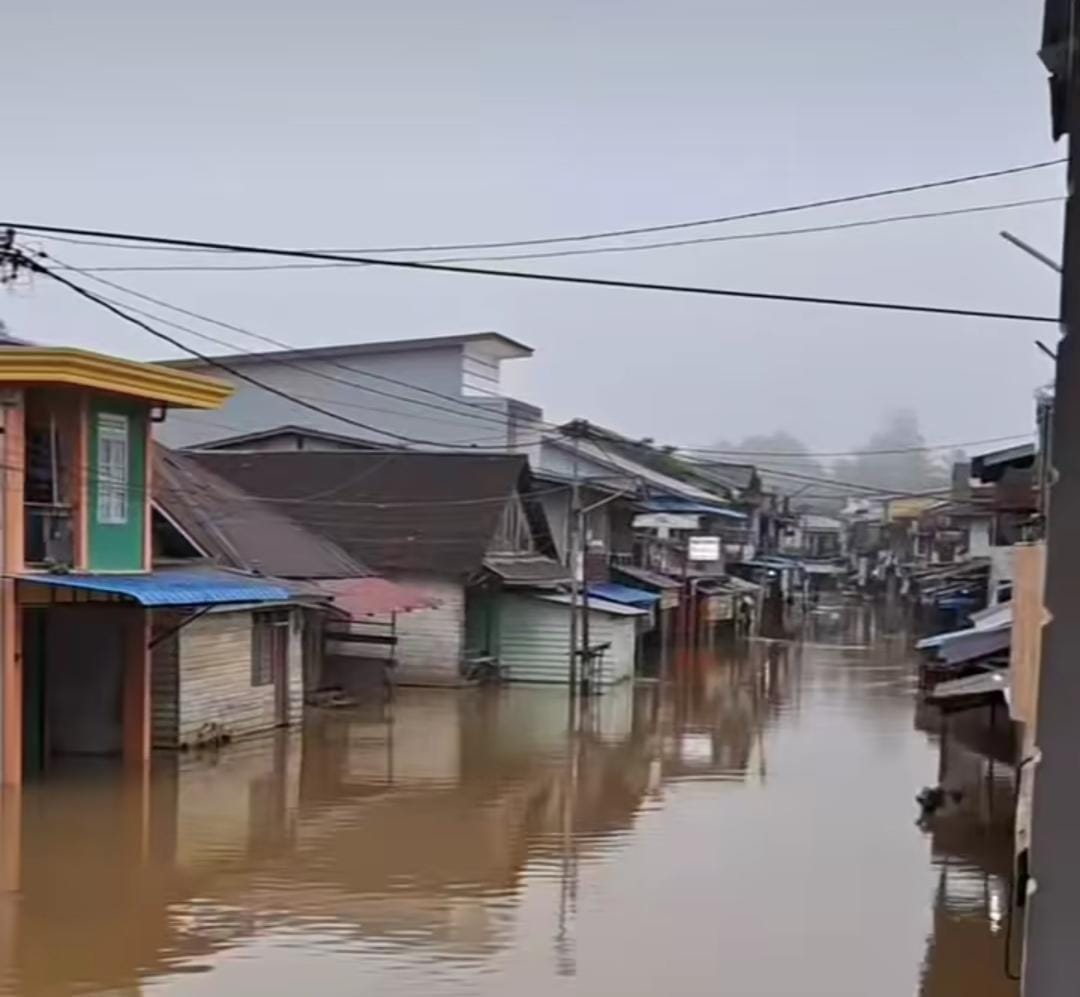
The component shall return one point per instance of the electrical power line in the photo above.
(261, 337)
(778, 472)
(560, 253)
(860, 303)
(465, 409)
(795, 454)
(694, 223)
(300, 400)
(330, 377)
(540, 423)
(211, 361)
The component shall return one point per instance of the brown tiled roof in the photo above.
(409, 510)
(238, 531)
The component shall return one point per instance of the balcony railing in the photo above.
(49, 536)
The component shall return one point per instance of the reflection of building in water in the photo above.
(971, 838)
(713, 721)
(410, 831)
(413, 827)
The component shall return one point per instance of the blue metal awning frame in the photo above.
(625, 595)
(172, 588)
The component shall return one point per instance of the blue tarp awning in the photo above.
(672, 503)
(624, 594)
(172, 588)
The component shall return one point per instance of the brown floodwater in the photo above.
(745, 828)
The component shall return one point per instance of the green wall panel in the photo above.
(116, 537)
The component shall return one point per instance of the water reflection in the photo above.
(745, 826)
(972, 850)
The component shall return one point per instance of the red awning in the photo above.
(374, 596)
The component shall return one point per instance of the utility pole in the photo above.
(7, 273)
(586, 657)
(572, 543)
(1052, 955)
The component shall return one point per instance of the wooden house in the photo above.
(465, 529)
(234, 670)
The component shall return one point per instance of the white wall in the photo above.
(215, 677)
(1001, 570)
(431, 642)
(408, 412)
(534, 641)
(979, 538)
(556, 506)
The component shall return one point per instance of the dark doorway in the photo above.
(35, 741)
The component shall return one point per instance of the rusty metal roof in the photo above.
(407, 510)
(238, 531)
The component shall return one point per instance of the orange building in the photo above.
(77, 581)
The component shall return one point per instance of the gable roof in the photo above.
(307, 432)
(238, 531)
(651, 482)
(664, 463)
(741, 477)
(406, 510)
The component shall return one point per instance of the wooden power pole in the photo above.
(1052, 951)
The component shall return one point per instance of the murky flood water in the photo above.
(746, 829)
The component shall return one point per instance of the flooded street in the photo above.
(746, 828)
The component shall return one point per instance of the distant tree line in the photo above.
(790, 468)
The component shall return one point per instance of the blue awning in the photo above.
(692, 507)
(623, 594)
(172, 588)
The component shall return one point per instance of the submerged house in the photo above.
(465, 529)
(79, 587)
(234, 670)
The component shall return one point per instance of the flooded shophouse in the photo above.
(737, 813)
(470, 841)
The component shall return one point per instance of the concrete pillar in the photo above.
(11, 727)
(11, 563)
(10, 876)
(136, 706)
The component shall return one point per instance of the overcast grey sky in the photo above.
(353, 123)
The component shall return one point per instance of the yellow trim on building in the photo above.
(81, 368)
(912, 507)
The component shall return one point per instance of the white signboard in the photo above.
(704, 548)
(668, 520)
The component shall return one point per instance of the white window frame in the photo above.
(113, 468)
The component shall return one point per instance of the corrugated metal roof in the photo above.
(409, 510)
(173, 588)
(647, 477)
(646, 577)
(985, 620)
(972, 685)
(600, 605)
(970, 645)
(238, 531)
(739, 476)
(360, 597)
(527, 569)
(238, 441)
(672, 503)
(623, 594)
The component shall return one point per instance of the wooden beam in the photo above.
(136, 704)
